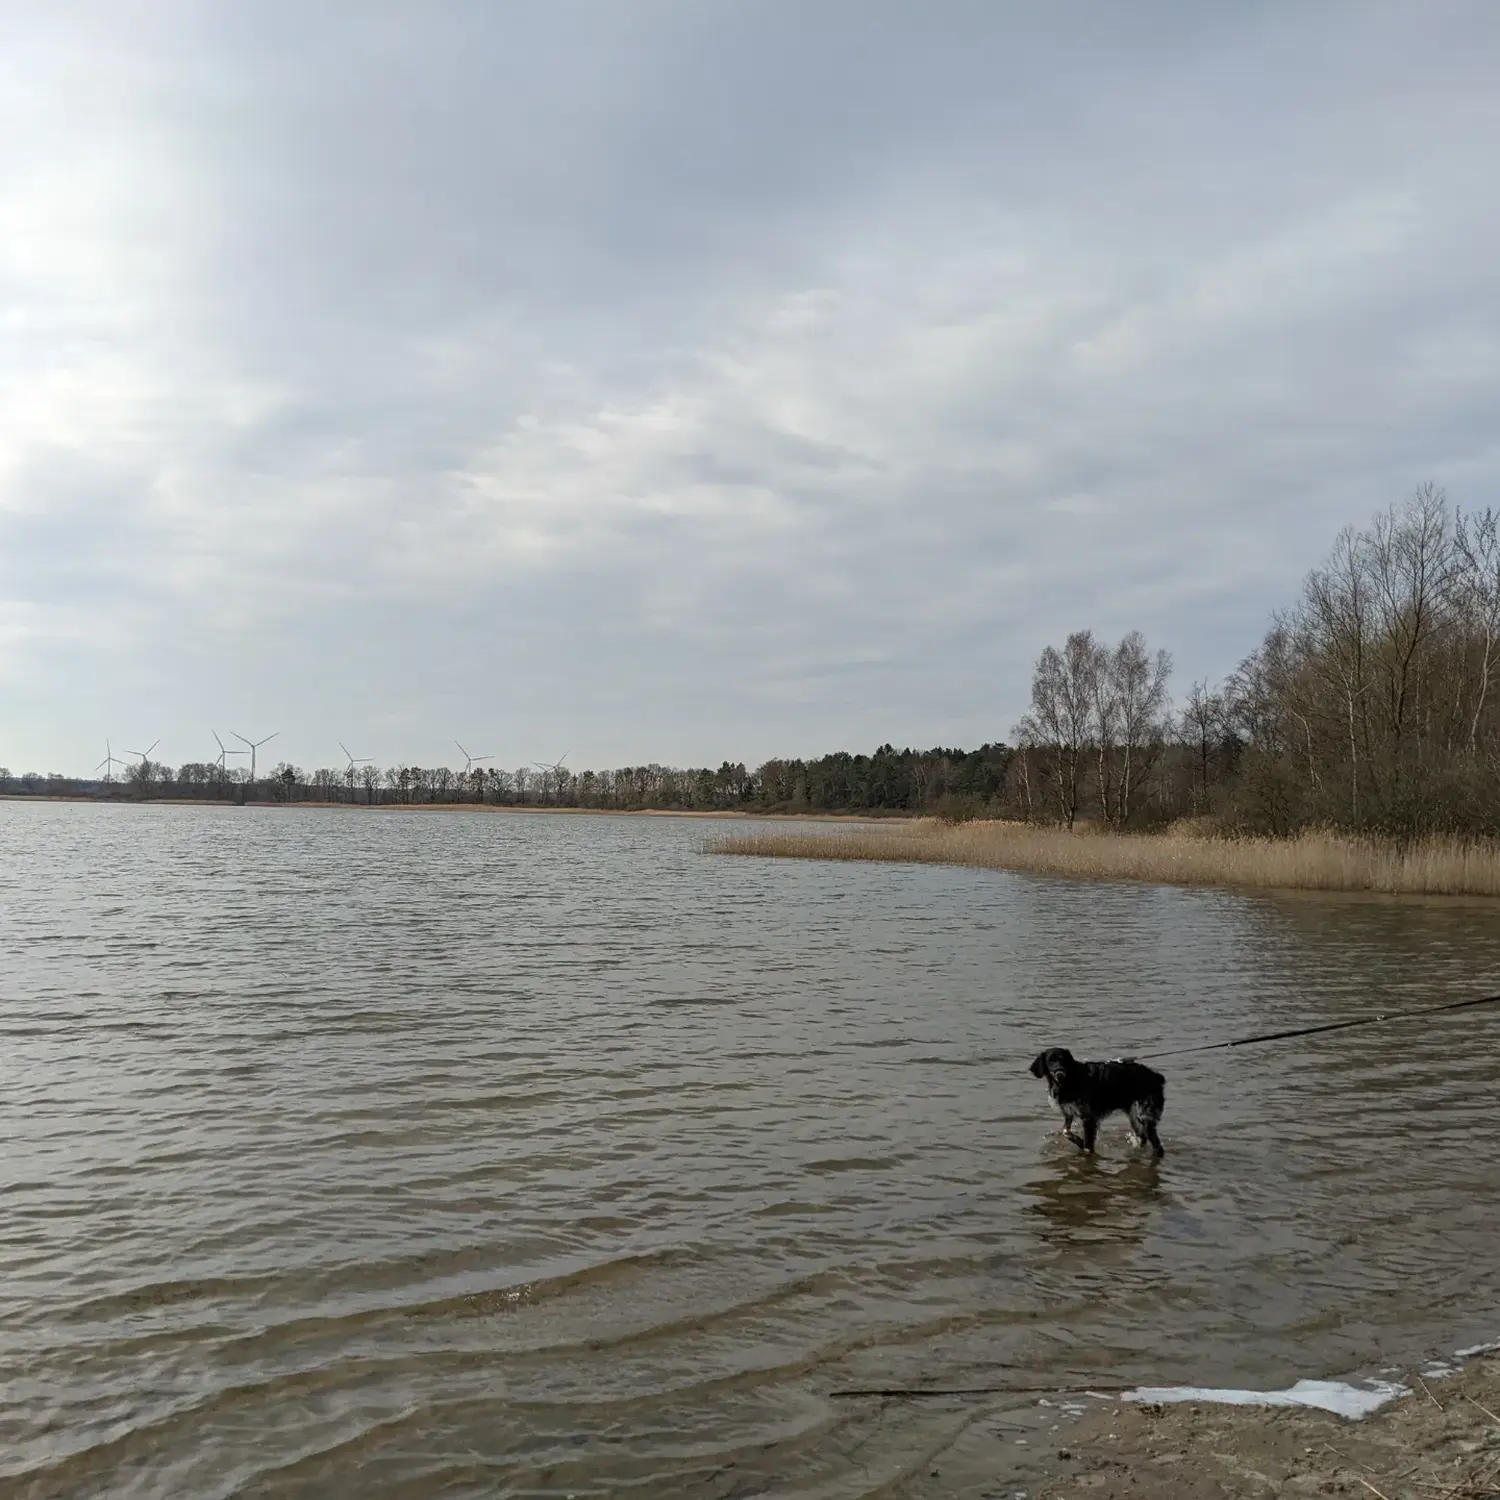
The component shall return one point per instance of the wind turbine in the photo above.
(223, 755)
(354, 760)
(254, 746)
(108, 764)
(555, 768)
(470, 761)
(145, 763)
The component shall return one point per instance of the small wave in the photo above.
(1476, 1349)
(833, 1164)
(480, 1303)
(161, 1294)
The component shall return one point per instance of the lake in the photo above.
(372, 1154)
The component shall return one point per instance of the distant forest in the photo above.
(889, 781)
(1371, 704)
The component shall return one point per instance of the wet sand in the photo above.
(1440, 1442)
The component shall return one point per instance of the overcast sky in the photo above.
(688, 381)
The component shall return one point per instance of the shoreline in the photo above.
(1325, 861)
(1434, 1434)
(731, 814)
(1308, 863)
(1441, 1437)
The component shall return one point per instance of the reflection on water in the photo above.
(1084, 1205)
(385, 1154)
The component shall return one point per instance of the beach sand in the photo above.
(1440, 1441)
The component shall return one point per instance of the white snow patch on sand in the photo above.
(1327, 1395)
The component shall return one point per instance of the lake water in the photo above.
(403, 1154)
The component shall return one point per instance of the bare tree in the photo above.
(1141, 703)
(1477, 541)
(1203, 718)
(1336, 629)
(1104, 688)
(1410, 564)
(1062, 703)
(1373, 697)
(1023, 771)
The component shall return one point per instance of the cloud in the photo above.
(676, 384)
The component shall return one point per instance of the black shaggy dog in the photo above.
(1086, 1092)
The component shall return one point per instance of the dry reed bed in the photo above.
(1311, 861)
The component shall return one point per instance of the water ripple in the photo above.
(382, 1155)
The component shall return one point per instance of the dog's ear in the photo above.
(1039, 1065)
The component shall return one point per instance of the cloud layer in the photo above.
(671, 382)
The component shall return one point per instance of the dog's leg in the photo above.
(1090, 1130)
(1143, 1130)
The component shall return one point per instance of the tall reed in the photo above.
(1311, 861)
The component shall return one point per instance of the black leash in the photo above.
(1281, 1036)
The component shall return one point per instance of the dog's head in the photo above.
(1055, 1064)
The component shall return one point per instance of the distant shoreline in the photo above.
(1185, 854)
(812, 815)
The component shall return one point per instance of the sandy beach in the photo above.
(1440, 1440)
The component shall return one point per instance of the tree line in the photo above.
(1371, 704)
(940, 781)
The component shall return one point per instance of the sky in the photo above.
(682, 382)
